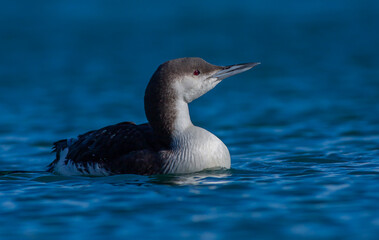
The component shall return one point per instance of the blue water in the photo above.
(302, 128)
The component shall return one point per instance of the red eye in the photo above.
(196, 72)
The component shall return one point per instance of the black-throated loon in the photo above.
(168, 143)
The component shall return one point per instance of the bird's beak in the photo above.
(233, 70)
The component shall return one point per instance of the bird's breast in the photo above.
(194, 150)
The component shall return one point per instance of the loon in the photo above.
(168, 144)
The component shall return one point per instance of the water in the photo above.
(302, 128)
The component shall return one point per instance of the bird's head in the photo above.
(191, 78)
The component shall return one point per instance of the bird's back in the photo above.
(116, 149)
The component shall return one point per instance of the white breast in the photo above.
(196, 149)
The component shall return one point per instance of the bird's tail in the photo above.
(57, 148)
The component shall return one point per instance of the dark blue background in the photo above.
(302, 127)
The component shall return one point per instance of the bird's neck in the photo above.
(183, 119)
(167, 114)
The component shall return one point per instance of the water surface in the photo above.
(302, 128)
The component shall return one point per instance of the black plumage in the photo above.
(121, 148)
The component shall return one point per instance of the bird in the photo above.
(169, 143)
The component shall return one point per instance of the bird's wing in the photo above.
(120, 148)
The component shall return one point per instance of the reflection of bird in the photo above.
(169, 143)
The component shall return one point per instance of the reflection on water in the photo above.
(208, 177)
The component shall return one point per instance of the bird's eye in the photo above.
(196, 72)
